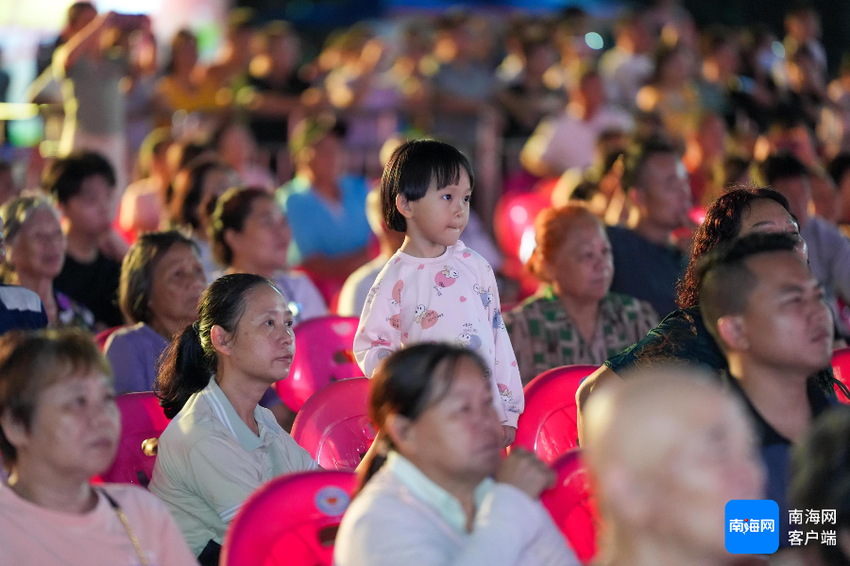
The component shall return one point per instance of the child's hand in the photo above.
(510, 435)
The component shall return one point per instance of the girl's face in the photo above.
(264, 239)
(38, 250)
(441, 215)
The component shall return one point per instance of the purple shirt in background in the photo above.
(134, 352)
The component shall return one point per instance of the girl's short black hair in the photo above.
(410, 170)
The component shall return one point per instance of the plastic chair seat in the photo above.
(291, 520)
(142, 419)
(323, 354)
(334, 426)
(548, 425)
(570, 504)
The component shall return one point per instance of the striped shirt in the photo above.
(209, 462)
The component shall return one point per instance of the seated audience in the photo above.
(430, 497)
(161, 281)
(236, 145)
(249, 234)
(196, 190)
(83, 185)
(576, 319)
(829, 250)
(144, 202)
(356, 287)
(184, 85)
(35, 252)
(819, 481)
(20, 308)
(682, 335)
(221, 445)
(666, 453)
(59, 426)
(569, 140)
(325, 209)
(766, 310)
(646, 263)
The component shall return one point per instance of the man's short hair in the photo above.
(64, 179)
(638, 159)
(783, 165)
(726, 282)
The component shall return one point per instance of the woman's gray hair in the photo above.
(15, 214)
(138, 268)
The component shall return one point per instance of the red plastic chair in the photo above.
(514, 221)
(292, 521)
(323, 354)
(841, 369)
(571, 506)
(548, 426)
(333, 425)
(101, 337)
(142, 421)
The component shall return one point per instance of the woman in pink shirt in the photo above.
(59, 426)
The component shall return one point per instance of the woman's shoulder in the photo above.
(135, 500)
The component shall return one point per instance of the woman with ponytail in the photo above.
(428, 496)
(221, 445)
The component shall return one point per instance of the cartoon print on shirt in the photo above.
(498, 322)
(380, 341)
(425, 316)
(396, 296)
(485, 294)
(505, 393)
(372, 292)
(445, 278)
(468, 338)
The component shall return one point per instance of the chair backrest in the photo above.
(323, 354)
(142, 420)
(841, 369)
(290, 520)
(548, 426)
(571, 506)
(333, 425)
(101, 337)
(514, 222)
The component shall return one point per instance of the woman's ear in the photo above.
(221, 339)
(403, 206)
(230, 236)
(398, 429)
(14, 430)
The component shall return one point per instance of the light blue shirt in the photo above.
(323, 227)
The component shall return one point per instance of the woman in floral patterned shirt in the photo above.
(35, 253)
(575, 319)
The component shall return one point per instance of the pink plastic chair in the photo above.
(514, 220)
(142, 421)
(571, 506)
(291, 521)
(841, 369)
(333, 425)
(548, 426)
(323, 354)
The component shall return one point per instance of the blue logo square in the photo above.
(752, 526)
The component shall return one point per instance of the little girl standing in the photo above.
(435, 289)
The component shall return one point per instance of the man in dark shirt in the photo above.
(83, 185)
(766, 310)
(646, 264)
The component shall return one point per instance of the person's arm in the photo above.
(80, 43)
(601, 378)
(535, 153)
(506, 372)
(378, 334)
(125, 360)
(171, 546)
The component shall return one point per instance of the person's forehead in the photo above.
(776, 270)
(262, 299)
(765, 210)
